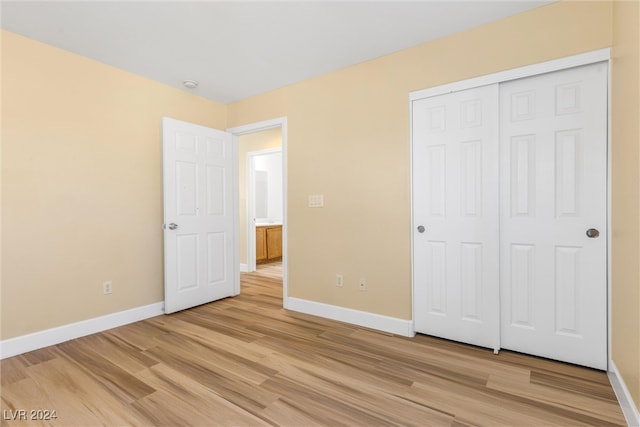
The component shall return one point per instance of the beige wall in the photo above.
(257, 141)
(82, 185)
(625, 134)
(348, 138)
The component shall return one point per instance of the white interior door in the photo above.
(200, 215)
(553, 189)
(455, 216)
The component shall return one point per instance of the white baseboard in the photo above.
(244, 268)
(629, 409)
(25, 343)
(361, 318)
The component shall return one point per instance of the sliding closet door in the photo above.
(455, 208)
(553, 223)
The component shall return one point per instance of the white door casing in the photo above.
(200, 215)
(455, 218)
(553, 189)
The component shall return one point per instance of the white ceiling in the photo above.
(238, 49)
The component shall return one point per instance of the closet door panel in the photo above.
(553, 189)
(455, 194)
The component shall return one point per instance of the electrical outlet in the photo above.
(362, 285)
(339, 282)
(107, 288)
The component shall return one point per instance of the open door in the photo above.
(200, 215)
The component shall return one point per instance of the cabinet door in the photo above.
(261, 244)
(274, 242)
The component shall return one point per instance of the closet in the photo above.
(509, 205)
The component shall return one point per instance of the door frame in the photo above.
(601, 55)
(251, 224)
(280, 122)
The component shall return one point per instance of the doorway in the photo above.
(264, 202)
(254, 140)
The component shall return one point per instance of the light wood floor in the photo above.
(245, 361)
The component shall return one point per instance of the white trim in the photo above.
(280, 122)
(609, 220)
(250, 178)
(22, 344)
(361, 318)
(244, 268)
(258, 126)
(413, 219)
(629, 409)
(265, 151)
(516, 73)
(236, 218)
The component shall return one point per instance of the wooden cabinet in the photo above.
(268, 243)
(261, 244)
(274, 242)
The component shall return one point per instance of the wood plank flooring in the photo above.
(245, 361)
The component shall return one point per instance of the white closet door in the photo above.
(553, 189)
(455, 208)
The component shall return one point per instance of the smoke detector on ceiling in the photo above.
(190, 84)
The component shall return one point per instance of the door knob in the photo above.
(421, 229)
(592, 233)
(172, 226)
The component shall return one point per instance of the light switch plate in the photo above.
(316, 201)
